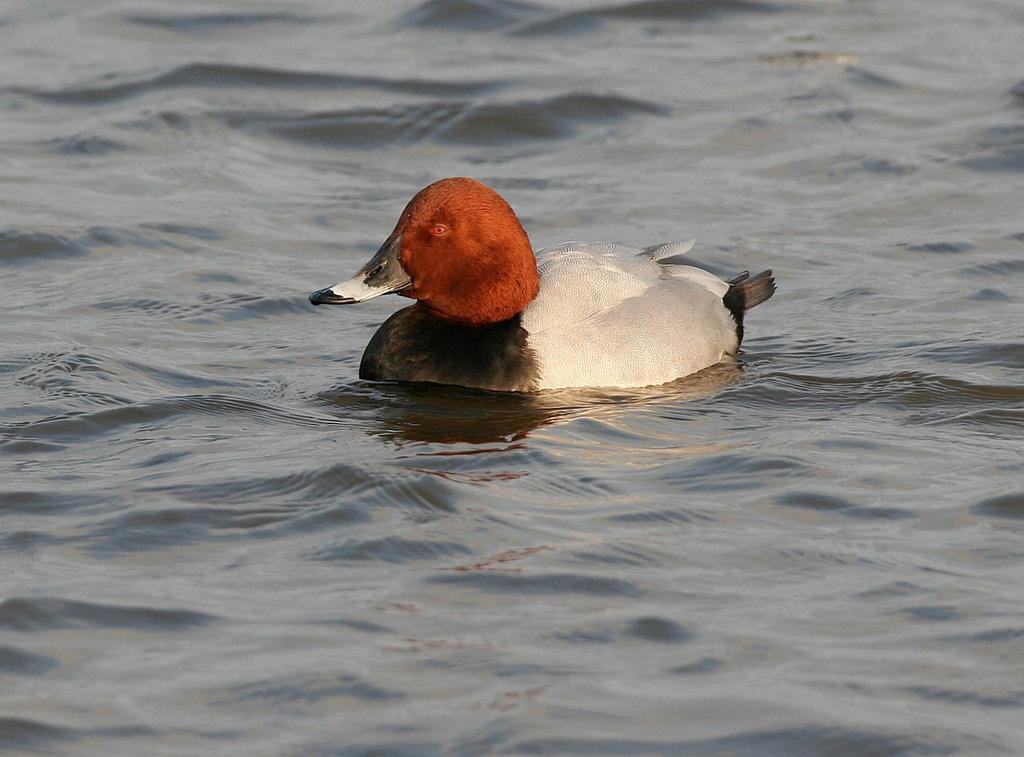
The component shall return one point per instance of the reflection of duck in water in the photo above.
(492, 315)
(439, 414)
(454, 415)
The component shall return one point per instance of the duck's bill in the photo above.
(382, 275)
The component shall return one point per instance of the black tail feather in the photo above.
(745, 292)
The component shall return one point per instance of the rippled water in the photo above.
(215, 539)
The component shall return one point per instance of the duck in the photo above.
(492, 314)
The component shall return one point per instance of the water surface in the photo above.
(215, 539)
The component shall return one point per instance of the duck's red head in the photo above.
(459, 249)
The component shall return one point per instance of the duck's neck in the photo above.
(492, 289)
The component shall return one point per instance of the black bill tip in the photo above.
(328, 297)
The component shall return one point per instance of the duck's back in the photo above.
(609, 315)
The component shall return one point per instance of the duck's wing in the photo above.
(579, 280)
(609, 315)
(670, 255)
(665, 252)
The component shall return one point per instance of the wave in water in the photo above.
(223, 75)
(453, 122)
(204, 23)
(531, 19)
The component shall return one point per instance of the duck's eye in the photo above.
(438, 229)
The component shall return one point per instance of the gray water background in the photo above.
(215, 539)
